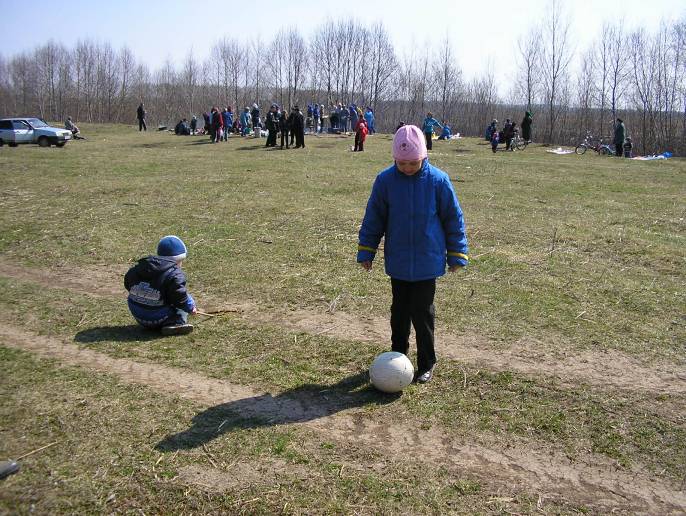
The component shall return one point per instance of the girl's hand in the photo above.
(366, 265)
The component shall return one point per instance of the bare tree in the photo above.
(189, 81)
(296, 64)
(586, 89)
(644, 69)
(383, 63)
(446, 79)
(556, 57)
(529, 60)
(323, 45)
(256, 77)
(238, 65)
(602, 59)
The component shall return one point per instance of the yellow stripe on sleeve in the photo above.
(459, 255)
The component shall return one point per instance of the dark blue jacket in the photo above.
(228, 120)
(157, 287)
(421, 220)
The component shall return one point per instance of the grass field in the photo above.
(561, 383)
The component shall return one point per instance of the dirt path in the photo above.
(609, 369)
(595, 483)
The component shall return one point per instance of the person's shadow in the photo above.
(128, 333)
(304, 403)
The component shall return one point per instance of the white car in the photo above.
(14, 131)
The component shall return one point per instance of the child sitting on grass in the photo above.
(414, 206)
(157, 289)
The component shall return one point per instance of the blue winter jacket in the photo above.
(228, 119)
(429, 123)
(369, 117)
(421, 220)
(157, 287)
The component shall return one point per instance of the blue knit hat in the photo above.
(173, 247)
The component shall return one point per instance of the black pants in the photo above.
(299, 138)
(428, 140)
(141, 125)
(413, 303)
(618, 150)
(271, 138)
(359, 143)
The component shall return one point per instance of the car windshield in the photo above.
(37, 122)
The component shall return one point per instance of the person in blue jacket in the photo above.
(428, 127)
(414, 207)
(245, 121)
(370, 119)
(158, 298)
(227, 115)
(446, 133)
(354, 117)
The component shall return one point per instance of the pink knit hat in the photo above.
(409, 144)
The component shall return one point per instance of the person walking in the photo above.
(140, 115)
(428, 128)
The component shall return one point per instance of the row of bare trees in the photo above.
(637, 74)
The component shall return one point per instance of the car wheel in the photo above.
(2, 143)
(12, 144)
(43, 141)
(61, 144)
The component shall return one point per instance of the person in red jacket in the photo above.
(361, 132)
(217, 124)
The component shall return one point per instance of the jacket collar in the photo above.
(424, 169)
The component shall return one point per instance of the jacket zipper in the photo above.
(412, 181)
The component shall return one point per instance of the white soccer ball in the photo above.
(391, 372)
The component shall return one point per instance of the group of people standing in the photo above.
(290, 125)
(342, 119)
(510, 130)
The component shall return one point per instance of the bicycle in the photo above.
(518, 143)
(589, 142)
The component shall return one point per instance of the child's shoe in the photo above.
(425, 377)
(177, 329)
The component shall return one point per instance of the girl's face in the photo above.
(409, 168)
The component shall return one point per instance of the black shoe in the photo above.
(177, 329)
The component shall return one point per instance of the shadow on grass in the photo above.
(252, 148)
(304, 403)
(129, 333)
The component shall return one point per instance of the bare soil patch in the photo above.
(605, 369)
(594, 481)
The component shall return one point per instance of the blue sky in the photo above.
(482, 34)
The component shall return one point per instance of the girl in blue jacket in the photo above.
(414, 207)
